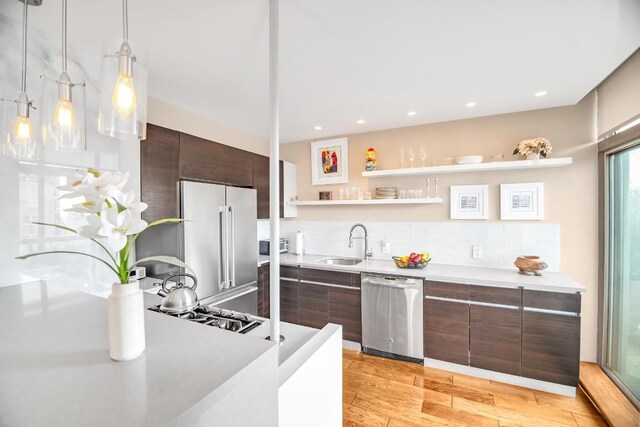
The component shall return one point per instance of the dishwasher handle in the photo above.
(392, 282)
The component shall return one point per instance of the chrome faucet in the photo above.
(367, 251)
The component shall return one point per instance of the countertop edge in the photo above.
(570, 286)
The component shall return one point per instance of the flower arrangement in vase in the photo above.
(115, 215)
(532, 149)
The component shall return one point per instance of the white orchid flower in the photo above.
(96, 185)
(90, 230)
(128, 200)
(90, 205)
(116, 226)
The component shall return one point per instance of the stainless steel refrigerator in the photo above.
(219, 243)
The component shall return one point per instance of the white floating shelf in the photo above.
(479, 167)
(431, 200)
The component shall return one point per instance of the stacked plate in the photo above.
(386, 193)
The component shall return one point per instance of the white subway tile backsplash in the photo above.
(448, 242)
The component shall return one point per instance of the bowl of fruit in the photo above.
(415, 260)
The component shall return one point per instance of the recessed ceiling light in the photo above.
(471, 104)
(541, 93)
(411, 113)
(361, 121)
(318, 128)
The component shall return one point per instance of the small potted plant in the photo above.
(532, 149)
(115, 215)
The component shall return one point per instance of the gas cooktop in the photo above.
(218, 318)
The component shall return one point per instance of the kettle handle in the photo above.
(193, 287)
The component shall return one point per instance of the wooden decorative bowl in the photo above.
(530, 265)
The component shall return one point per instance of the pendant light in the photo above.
(123, 86)
(20, 140)
(63, 103)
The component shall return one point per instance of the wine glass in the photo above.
(423, 155)
(412, 155)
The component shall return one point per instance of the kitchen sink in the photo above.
(340, 261)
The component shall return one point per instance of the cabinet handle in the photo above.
(478, 303)
(459, 301)
(287, 279)
(558, 312)
(330, 285)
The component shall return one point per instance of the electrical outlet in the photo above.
(386, 247)
(476, 252)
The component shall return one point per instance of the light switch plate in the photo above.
(386, 247)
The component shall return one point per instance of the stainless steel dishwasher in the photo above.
(392, 317)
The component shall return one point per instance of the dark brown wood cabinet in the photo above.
(495, 338)
(345, 308)
(313, 305)
(261, 184)
(534, 334)
(289, 301)
(551, 336)
(203, 160)
(159, 173)
(314, 297)
(264, 279)
(446, 290)
(289, 294)
(330, 277)
(551, 347)
(446, 330)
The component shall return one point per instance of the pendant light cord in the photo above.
(23, 86)
(125, 21)
(64, 36)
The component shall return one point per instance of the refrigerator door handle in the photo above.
(232, 239)
(222, 272)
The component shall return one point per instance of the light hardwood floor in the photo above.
(390, 393)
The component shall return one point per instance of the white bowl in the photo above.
(469, 160)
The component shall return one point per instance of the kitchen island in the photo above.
(55, 367)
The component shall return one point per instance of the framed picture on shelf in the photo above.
(330, 161)
(522, 201)
(469, 202)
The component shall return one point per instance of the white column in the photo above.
(274, 169)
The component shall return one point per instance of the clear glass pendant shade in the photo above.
(123, 89)
(63, 115)
(19, 133)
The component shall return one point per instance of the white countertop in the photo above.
(499, 277)
(55, 367)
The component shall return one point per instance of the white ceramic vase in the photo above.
(126, 321)
(533, 156)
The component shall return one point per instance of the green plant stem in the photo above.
(71, 230)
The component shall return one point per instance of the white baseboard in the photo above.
(548, 387)
(351, 345)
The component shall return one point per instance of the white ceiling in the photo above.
(345, 60)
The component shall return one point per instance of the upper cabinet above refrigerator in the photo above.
(167, 156)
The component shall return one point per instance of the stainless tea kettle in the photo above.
(180, 298)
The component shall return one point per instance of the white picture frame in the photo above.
(332, 167)
(522, 202)
(469, 202)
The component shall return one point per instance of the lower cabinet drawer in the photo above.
(446, 331)
(495, 339)
(289, 301)
(345, 308)
(313, 305)
(551, 347)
